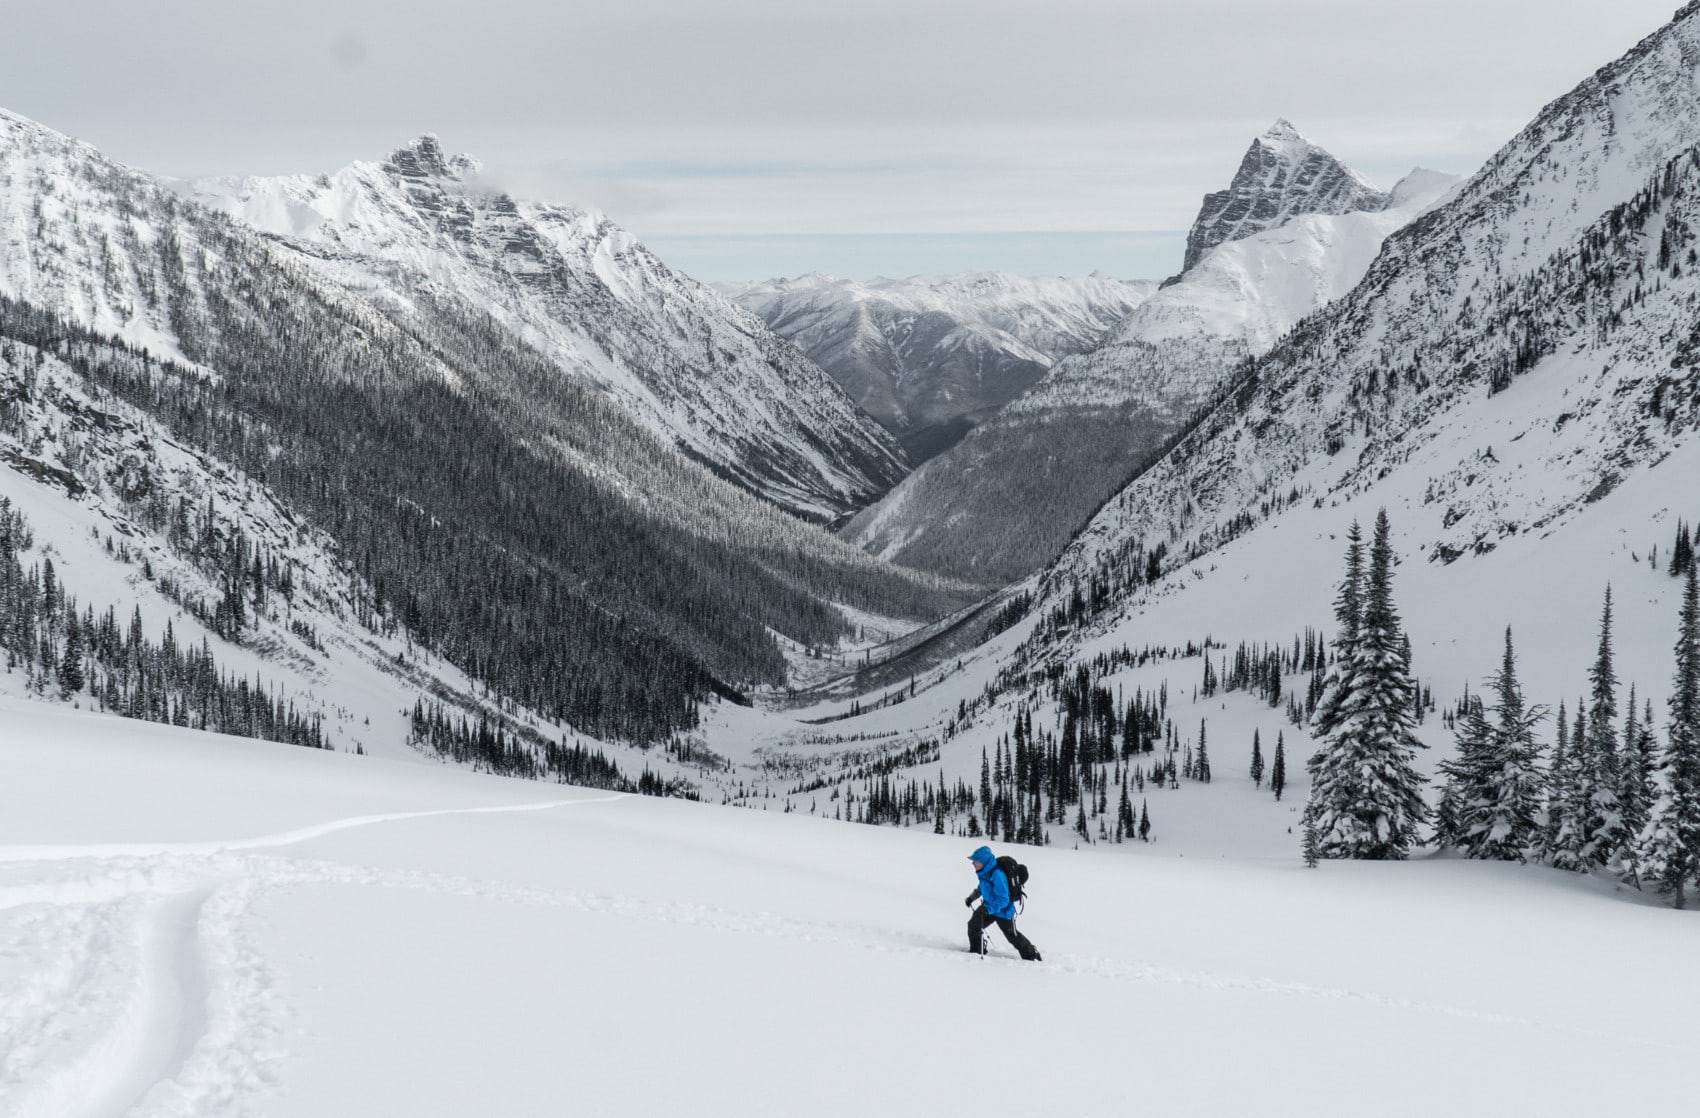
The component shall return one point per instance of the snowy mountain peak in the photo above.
(678, 356)
(1282, 175)
(425, 158)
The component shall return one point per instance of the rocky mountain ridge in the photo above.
(695, 368)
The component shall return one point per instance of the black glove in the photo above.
(972, 897)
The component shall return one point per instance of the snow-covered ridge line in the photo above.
(686, 361)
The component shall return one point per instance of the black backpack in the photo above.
(1016, 874)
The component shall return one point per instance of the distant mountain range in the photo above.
(1006, 499)
(932, 357)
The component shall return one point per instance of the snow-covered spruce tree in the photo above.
(1594, 834)
(1681, 552)
(1668, 851)
(1557, 788)
(1466, 775)
(1201, 765)
(1635, 771)
(1366, 794)
(1491, 807)
(1256, 760)
(1337, 685)
(1278, 769)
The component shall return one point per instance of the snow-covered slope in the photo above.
(931, 356)
(1006, 499)
(1511, 358)
(197, 925)
(1282, 176)
(678, 355)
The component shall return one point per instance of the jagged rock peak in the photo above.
(425, 158)
(1282, 175)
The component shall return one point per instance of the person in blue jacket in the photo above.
(996, 907)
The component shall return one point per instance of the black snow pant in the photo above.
(977, 928)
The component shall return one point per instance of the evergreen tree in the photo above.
(1491, 804)
(1465, 773)
(71, 665)
(1366, 794)
(1571, 842)
(1635, 773)
(1337, 685)
(1593, 832)
(1278, 769)
(1682, 552)
(1607, 836)
(1201, 767)
(1557, 788)
(1256, 760)
(1144, 820)
(1668, 849)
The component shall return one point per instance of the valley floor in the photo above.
(192, 924)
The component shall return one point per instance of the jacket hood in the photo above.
(983, 856)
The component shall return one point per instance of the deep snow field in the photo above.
(192, 924)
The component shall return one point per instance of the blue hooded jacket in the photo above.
(994, 886)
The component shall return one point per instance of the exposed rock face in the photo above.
(1282, 175)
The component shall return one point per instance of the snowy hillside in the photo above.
(1007, 498)
(271, 931)
(678, 355)
(1512, 358)
(932, 356)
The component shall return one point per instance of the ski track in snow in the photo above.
(143, 948)
(140, 994)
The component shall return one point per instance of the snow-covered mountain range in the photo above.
(233, 438)
(1510, 359)
(932, 356)
(1007, 498)
(587, 294)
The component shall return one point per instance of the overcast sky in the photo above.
(752, 138)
